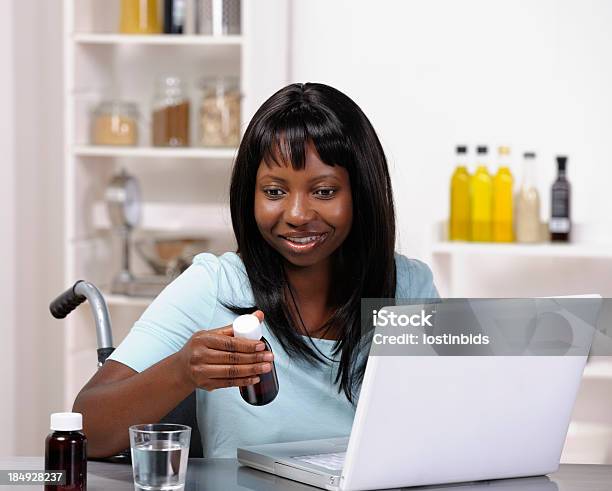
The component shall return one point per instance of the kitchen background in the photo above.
(430, 74)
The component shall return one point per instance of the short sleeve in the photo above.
(414, 279)
(185, 306)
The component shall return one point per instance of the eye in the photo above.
(273, 193)
(326, 193)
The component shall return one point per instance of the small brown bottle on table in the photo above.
(66, 450)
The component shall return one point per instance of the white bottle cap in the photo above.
(67, 421)
(248, 327)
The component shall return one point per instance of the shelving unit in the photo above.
(449, 258)
(184, 190)
(157, 39)
(592, 251)
(113, 299)
(173, 217)
(152, 152)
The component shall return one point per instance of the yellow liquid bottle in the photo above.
(481, 196)
(459, 222)
(139, 17)
(502, 206)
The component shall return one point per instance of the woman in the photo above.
(312, 211)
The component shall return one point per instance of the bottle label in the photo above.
(560, 203)
(559, 225)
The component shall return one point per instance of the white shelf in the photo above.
(124, 300)
(156, 39)
(202, 219)
(596, 251)
(155, 152)
(600, 369)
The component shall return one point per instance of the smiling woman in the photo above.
(312, 211)
(308, 159)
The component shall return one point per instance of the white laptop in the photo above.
(424, 420)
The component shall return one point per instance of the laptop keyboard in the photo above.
(332, 461)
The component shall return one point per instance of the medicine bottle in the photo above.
(66, 450)
(264, 391)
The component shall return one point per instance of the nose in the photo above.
(299, 210)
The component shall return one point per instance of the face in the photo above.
(304, 214)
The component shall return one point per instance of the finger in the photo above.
(225, 330)
(217, 357)
(236, 371)
(259, 314)
(221, 383)
(229, 343)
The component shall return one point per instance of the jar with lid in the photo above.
(219, 112)
(170, 114)
(114, 122)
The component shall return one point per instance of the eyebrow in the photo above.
(316, 178)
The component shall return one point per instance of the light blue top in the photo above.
(308, 405)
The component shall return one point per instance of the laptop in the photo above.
(425, 420)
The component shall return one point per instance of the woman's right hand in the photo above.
(213, 359)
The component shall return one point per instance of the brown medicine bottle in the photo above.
(265, 391)
(66, 450)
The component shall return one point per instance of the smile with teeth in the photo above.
(304, 242)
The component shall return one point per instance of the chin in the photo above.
(302, 262)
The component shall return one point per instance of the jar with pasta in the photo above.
(114, 122)
(219, 114)
(170, 114)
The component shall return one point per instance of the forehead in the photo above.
(314, 167)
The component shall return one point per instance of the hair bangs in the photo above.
(285, 142)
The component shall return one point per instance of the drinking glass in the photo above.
(159, 455)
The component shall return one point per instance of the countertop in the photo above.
(228, 475)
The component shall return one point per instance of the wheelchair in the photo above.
(69, 300)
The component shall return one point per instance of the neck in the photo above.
(311, 290)
(310, 284)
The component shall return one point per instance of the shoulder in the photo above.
(414, 279)
(228, 262)
(228, 271)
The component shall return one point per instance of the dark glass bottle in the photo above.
(266, 390)
(66, 450)
(560, 220)
(174, 16)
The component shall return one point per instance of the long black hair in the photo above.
(365, 267)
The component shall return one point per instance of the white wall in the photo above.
(36, 211)
(7, 225)
(434, 73)
(431, 74)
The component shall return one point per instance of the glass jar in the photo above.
(170, 114)
(219, 112)
(139, 17)
(115, 122)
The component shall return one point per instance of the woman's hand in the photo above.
(213, 359)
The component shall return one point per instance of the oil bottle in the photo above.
(560, 221)
(502, 199)
(481, 195)
(528, 225)
(459, 221)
